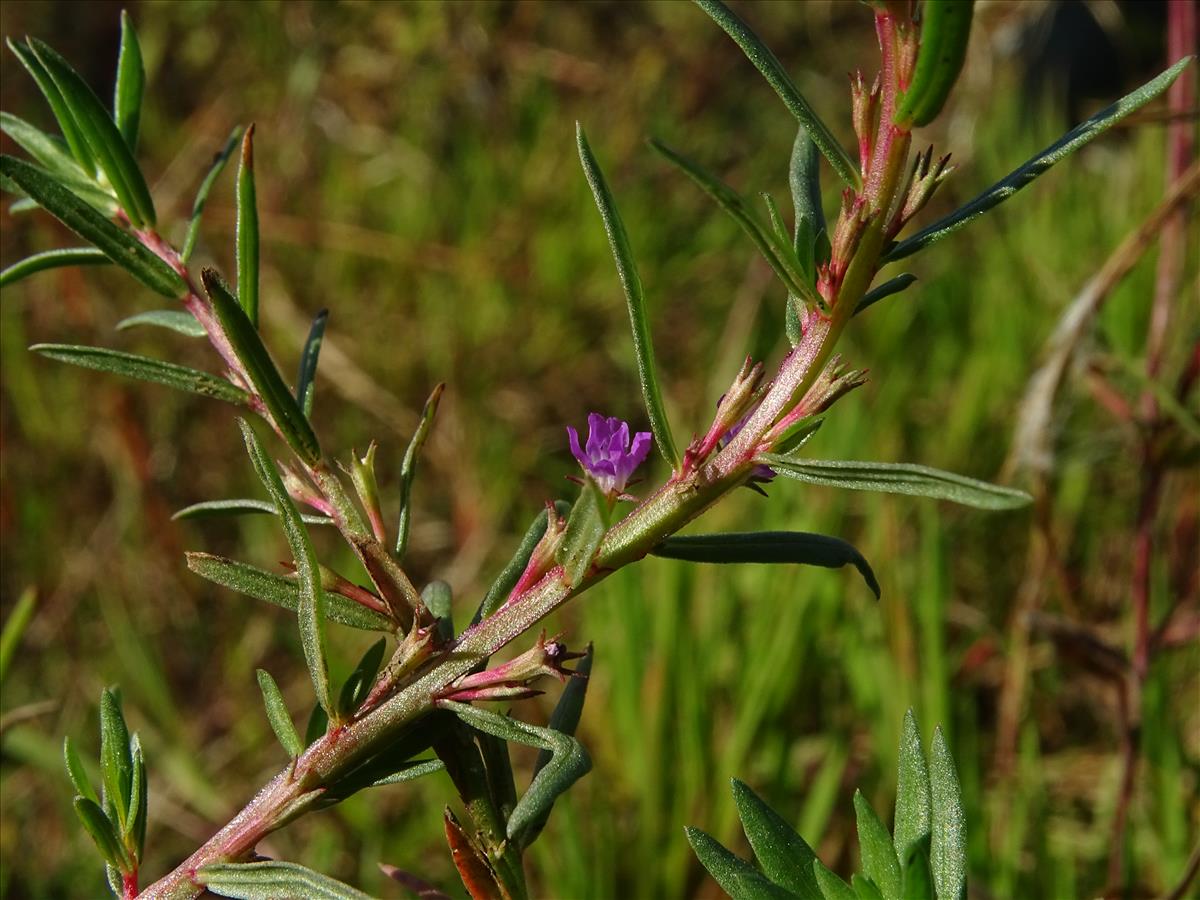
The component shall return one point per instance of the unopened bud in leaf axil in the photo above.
(362, 474)
(512, 680)
(301, 490)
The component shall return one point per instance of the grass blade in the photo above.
(14, 626)
(207, 509)
(118, 245)
(52, 259)
(278, 716)
(798, 547)
(145, 369)
(264, 376)
(879, 860)
(206, 186)
(104, 140)
(408, 469)
(272, 880)
(247, 230)
(312, 604)
(899, 478)
(785, 857)
(772, 70)
(308, 363)
(948, 847)
(62, 113)
(737, 877)
(282, 591)
(171, 319)
(912, 790)
(635, 297)
(130, 86)
(1066, 145)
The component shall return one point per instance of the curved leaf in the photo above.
(171, 319)
(206, 186)
(52, 259)
(631, 283)
(945, 32)
(799, 547)
(739, 878)
(308, 362)
(273, 880)
(62, 113)
(240, 507)
(77, 773)
(408, 468)
(117, 244)
(899, 478)
(58, 163)
(102, 831)
(887, 289)
(785, 857)
(146, 369)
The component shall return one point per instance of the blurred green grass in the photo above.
(418, 177)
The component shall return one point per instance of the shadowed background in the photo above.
(417, 175)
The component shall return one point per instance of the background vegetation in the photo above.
(417, 175)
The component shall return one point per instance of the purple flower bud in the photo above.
(609, 457)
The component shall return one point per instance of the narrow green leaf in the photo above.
(912, 790)
(273, 880)
(208, 509)
(832, 887)
(737, 877)
(206, 186)
(411, 772)
(116, 762)
(101, 133)
(780, 258)
(117, 244)
(145, 369)
(130, 86)
(772, 70)
(172, 319)
(1032, 168)
(62, 112)
(948, 847)
(887, 289)
(244, 339)
(358, 685)
(137, 787)
(804, 181)
(799, 547)
(784, 856)
(585, 531)
(277, 714)
(631, 283)
(318, 722)
(102, 832)
(308, 363)
(77, 772)
(247, 230)
(311, 611)
(438, 599)
(918, 880)
(515, 567)
(568, 763)
(58, 163)
(899, 478)
(879, 860)
(408, 469)
(14, 627)
(281, 591)
(565, 719)
(52, 259)
(945, 32)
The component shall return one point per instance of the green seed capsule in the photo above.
(945, 30)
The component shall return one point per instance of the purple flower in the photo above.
(609, 457)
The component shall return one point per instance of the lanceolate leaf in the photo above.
(58, 163)
(101, 133)
(408, 468)
(311, 611)
(738, 878)
(102, 832)
(171, 319)
(772, 69)
(247, 230)
(52, 259)
(272, 880)
(797, 547)
(948, 848)
(218, 164)
(585, 531)
(832, 887)
(899, 478)
(142, 367)
(1017, 179)
(240, 507)
(568, 763)
(77, 772)
(278, 716)
(889, 287)
(246, 343)
(131, 83)
(135, 825)
(804, 179)
(879, 860)
(118, 245)
(116, 762)
(308, 363)
(785, 857)
(62, 113)
(281, 591)
(912, 790)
